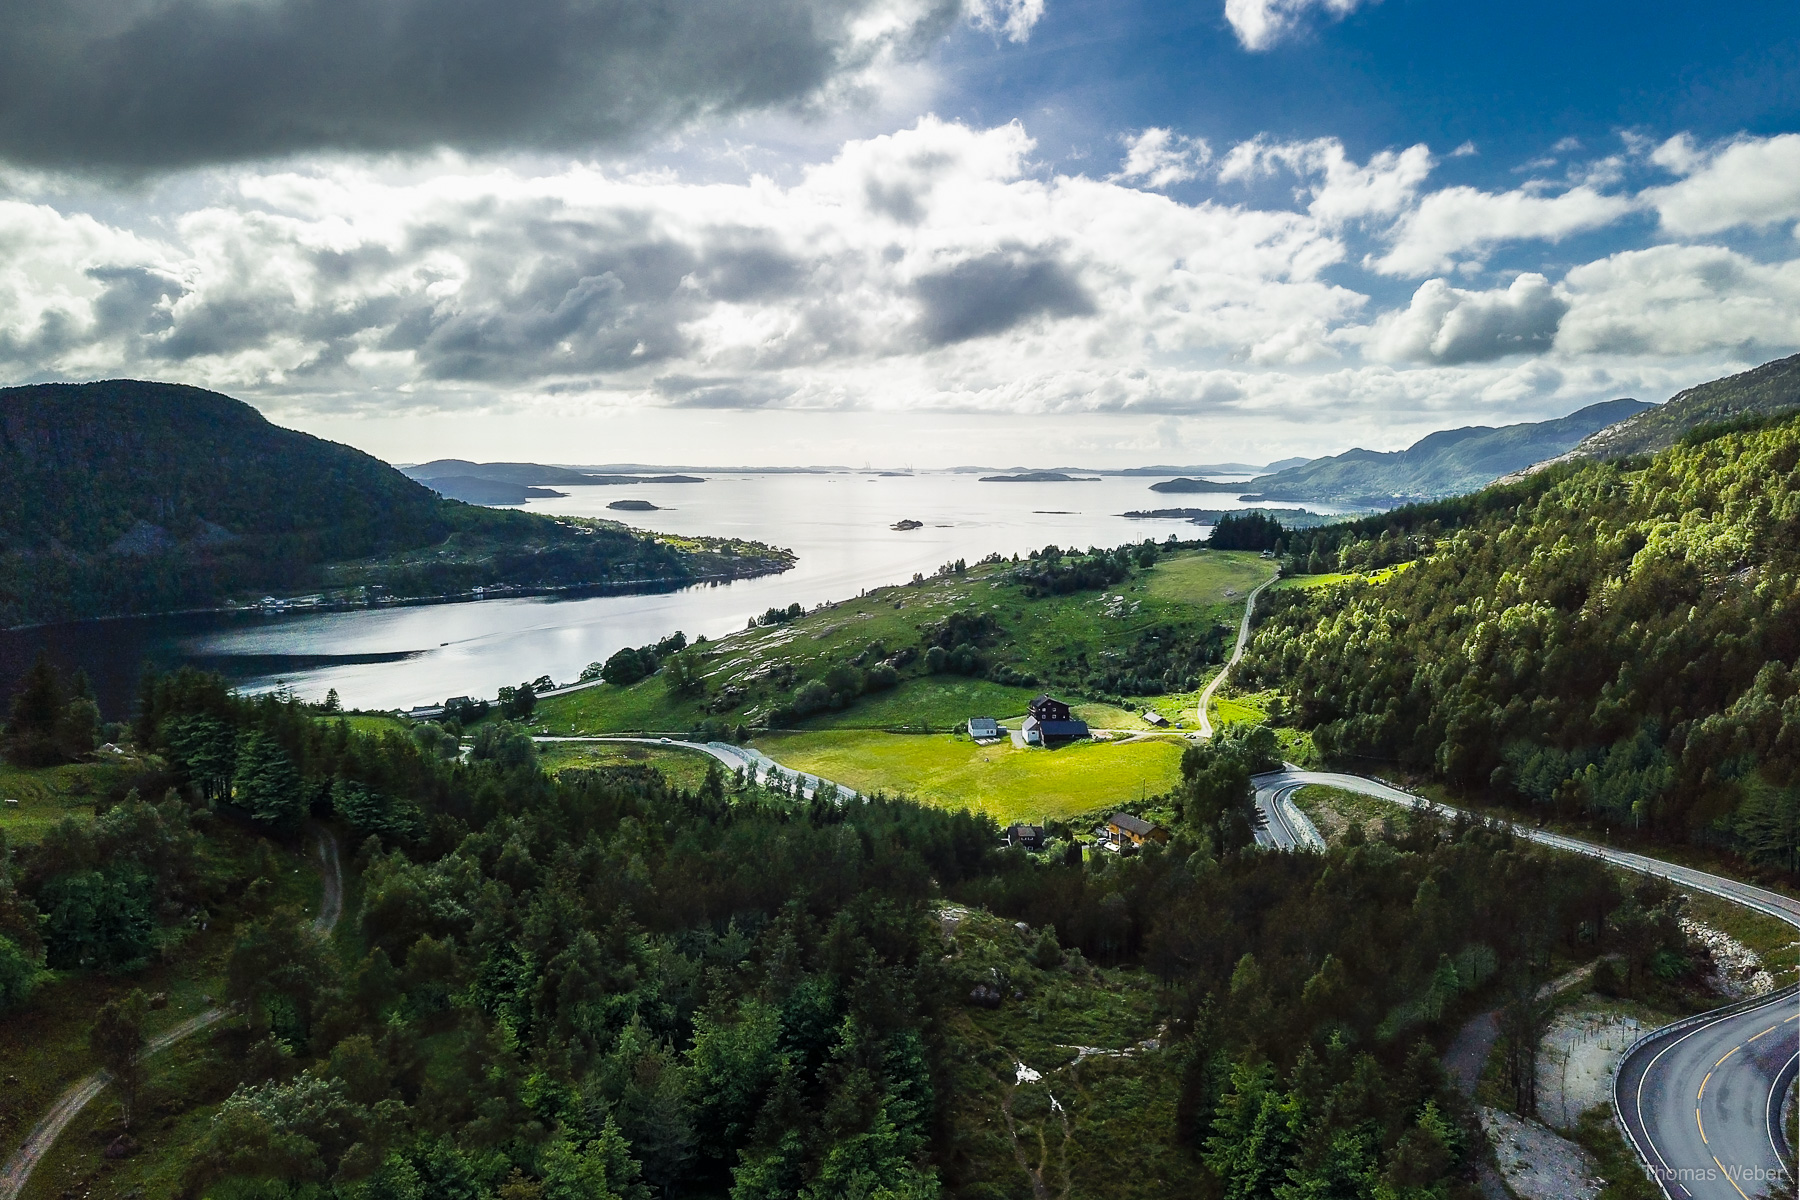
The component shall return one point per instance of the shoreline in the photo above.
(284, 606)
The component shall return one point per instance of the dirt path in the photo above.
(68, 1106)
(1237, 652)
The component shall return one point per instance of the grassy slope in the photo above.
(1010, 783)
(44, 1046)
(1185, 589)
(682, 768)
(47, 796)
(1095, 1143)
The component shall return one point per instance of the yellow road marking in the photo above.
(1770, 1029)
(1703, 1140)
(1728, 1178)
(1703, 1084)
(1728, 1054)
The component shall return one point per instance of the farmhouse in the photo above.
(983, 727)
(1050, 721)
(1029, 836)
(1124, 829)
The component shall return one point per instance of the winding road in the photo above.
(731, 755)
(1237, 652)
(17, 1171)
(1701, 1099)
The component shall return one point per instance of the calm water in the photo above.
(836, 524)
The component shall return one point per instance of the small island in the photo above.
(1193, 485)
(1040, 477)
(634, 506)
(907, 524)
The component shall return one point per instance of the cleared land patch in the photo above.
(1002, 780)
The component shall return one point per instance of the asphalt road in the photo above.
(1701, 1099)
(729, 754)
(1237, 652)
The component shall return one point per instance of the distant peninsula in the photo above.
(527, 474)
(907, 524)
(131, 497)
(1193, 485)
(472, 490)
(1040, 477)
(633, 506)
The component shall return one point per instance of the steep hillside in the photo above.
(1771, 388)
(126, 496)
(1448, 463)
(1615, 641)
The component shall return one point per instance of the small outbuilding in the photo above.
(1155, 718)
(983, 727)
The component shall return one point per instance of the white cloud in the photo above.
(1012, 19)
(1157, 158)
(1743, 182)
(1340, 190)
(1681, 300)
(1448, 325)
(1460, 222)
(1260, 24)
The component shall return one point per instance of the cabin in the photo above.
(1125, 829)
(1155, 718)
(983, 727)
(1029, 836)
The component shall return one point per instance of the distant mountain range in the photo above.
(133, 497)
(1449, 463)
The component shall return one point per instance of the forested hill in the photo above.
(1448, 463)
(1617, 640)
(1771, 388)
(126, 496)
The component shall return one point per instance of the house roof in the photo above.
(1063, 728)
(987, 723)
(1131, 824)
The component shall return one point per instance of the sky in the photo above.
(898, 232)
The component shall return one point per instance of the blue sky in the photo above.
(1017, 231)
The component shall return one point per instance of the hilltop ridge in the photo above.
(128, 496)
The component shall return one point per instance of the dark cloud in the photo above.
(995, 292)
(694, 391)
(135, 85)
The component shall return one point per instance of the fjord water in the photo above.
(838, 525)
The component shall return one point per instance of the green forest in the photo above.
(133, 497)
(1610, 641)
(594, 983)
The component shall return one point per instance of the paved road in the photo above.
(731, 755)
(1243, 641)
(17, 1171)
(1700, 1099)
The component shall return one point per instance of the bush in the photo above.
(811, 697)
(880, 678)
(19, 975)
(624, 668)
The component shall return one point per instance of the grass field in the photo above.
(1310, 582)
(1009, 783)
(46, 795)
(754, 670)
(682, 768)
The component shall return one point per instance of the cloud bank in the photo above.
(149, 85)
(939, 268)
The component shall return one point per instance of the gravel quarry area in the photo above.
(1536, 1163)
(1577, 1061)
